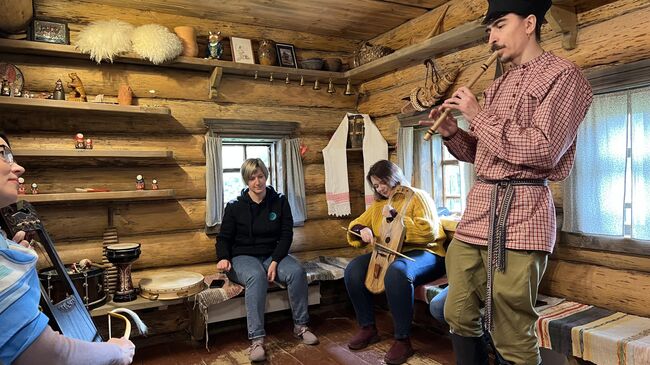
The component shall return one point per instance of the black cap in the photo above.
(497, 8)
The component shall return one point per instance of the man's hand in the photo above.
(465, 102)
(19, 238)
(447, 128)
(366, 235)
(271, 274)
(224, 265)
(127, 349)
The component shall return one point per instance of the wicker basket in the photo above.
(369, 53)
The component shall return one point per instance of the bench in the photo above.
(227, 302)
(593, 334)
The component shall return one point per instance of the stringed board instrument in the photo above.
(391, 238)
(69, 315)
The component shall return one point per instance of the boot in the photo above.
(367, 335)
(399, 352)
(469, 350)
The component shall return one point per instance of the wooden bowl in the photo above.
(312, 64)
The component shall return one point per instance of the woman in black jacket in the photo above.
(253, 246)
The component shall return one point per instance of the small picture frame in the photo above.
(242, 50)
(286, 55)
(50, 32)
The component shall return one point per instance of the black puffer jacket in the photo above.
(249, 228)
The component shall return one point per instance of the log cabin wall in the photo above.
(609, 33)
(171, 231)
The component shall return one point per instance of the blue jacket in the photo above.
(20, 320)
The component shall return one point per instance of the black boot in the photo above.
(469, 350)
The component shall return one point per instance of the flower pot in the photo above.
(124, 95)
(187, 34)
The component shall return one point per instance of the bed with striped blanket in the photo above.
(594, 334)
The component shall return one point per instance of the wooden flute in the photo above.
(444, 115)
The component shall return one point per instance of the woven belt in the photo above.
(497, 232)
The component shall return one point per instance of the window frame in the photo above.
(604, 80)
(246, 142)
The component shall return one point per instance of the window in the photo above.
(235, 152)
(435, 170)
(608, 191)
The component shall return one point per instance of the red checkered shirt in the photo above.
(526, 130)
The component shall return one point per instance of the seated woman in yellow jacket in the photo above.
(424, 243)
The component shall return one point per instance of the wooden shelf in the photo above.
(93, 153)
(25, 104)
(460, 36)
(188, 63)
(111, 195)
(139, 303)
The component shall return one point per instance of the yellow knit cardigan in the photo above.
(423, 228)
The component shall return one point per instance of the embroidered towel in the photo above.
(335, 159)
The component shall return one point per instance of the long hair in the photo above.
(388, 173)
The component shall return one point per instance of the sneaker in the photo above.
(399, 352)
(308, 338)
(367, 335)
(257, 352)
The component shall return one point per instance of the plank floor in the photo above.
(334, 329)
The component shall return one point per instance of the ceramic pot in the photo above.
(266, 53)
(125, 95)
(187, 35)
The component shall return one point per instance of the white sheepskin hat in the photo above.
(105, 39)
(156, 43)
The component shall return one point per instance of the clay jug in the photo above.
(187, 35)
(125, 95)
(266, 53)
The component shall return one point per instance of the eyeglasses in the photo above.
(6, 155)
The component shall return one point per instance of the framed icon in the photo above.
(242, 50)
(50, 32)
(286, 55)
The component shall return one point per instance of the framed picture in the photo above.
(286, 55)
(242, 50)
(50, 32)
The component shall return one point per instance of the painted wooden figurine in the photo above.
(78, 92)
(79, 141)
(5, 90)
(88, 144)
(139, 182)
(21, 186)
(215, 46)
(34, 188)
(59, 94)
(154, 184)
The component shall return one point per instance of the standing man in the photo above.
(523, 136)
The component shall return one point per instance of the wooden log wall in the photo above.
(610, 32)
(171, 231)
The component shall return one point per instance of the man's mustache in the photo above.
(496, 47)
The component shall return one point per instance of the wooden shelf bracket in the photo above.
(215, 81)
(563, 19)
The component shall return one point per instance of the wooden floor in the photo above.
(334, 329)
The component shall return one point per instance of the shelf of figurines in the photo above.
(93, 153)
(26, 104)
(159, 194)
(455, 38)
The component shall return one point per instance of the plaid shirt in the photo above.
(526, 130)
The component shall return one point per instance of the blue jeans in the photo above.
(400, 281)
(250, 271)
(437, 306)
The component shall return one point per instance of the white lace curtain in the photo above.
(609, 187)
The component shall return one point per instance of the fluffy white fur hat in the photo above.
(156, 43)
(105, 39)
